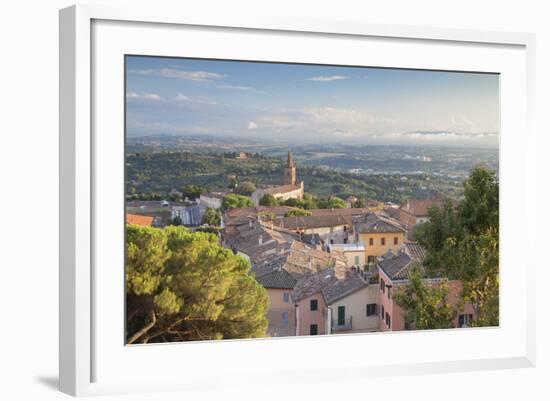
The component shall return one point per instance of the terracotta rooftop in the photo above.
(139, 220)
(340, 212)
(419, 207)
(296, 222)
(281, 189)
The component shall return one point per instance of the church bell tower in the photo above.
(289, 171)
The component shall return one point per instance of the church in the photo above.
(289, 189)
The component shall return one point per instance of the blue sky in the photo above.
(310, 103)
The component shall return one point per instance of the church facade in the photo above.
(289, 190)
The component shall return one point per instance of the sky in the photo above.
(310, 103)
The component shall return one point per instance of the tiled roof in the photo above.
(395, 266)
(139, 220)
(312, 284)
(419, 207)
(340, 212)
(392, 212)
(214, 195)
(254, 211)
(339, 289)
(331, 287)
(415, 251)
(283, 189)
(277, 279)
(295, 222)
(377, 223)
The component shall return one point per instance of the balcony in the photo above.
(347, 325)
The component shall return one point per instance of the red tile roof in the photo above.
(419, 207)
(139, 220)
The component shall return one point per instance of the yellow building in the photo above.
(378, 234)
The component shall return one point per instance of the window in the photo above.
(383, 240)
(371, 309)
(382, 312)
(313, 305)
(389, 292)
(371, 241)
(382, 286)
(313, 330)
(395, 240)
(357, 260)
(388, 320)
(286, 297)
(370, 259)
(464, 320)
(285, 318)
(341, 315)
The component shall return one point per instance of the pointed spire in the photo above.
(289, 161)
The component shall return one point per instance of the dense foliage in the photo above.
(211, 217)
(232, 201)
(425, 306)
(153, 175)
(297, 212)
(183, 286)
(462, 242)
(308, 202)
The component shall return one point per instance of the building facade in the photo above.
(379, 234)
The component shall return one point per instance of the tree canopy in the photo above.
(268, 200)
(462, 241)
(211, 217)
(232, 201)
(245, 188)
(183, 286)
(425, 305)
(297, 212)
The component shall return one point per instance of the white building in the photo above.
(212, 200)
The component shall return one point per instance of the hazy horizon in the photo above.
(310, 103)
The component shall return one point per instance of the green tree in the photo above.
(232, 201)
(297, 212)
(177, 221)
(245, 188)
(192, 191)
(211, 217)
(332, 203)
(425, 305)
(268, 200)
(183, 286)
(462, 243)
(479, 209)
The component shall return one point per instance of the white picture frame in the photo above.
(83, 350)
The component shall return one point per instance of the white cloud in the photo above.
(184, 98)
(236, 87)
(181, 74)
(252, 125)
(143, 96)
(324, 78)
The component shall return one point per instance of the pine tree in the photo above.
(183, 286)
